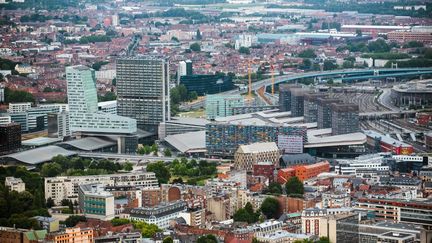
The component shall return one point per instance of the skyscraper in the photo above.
(143, 90)
(83, 106)
(285, 96)
(345, 118)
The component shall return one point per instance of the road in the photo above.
(385, 100)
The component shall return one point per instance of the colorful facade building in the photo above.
(303, 172)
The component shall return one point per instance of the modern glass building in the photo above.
(223, 139)
(205, 84)
(83, 106)
(143, 90)
(222, 105)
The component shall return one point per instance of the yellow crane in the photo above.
(273, 79)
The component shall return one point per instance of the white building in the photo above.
(58, 124)
(244, 41)
(281, 236)
(360, 165)
(109, 107)
(19, 107)
(5, 119)
(160, 215)
(59, 106)
(83, 108)
(66, 187)
(312, 217)
(115, 20)
(95, 202)
(2, 97)
(15, 184)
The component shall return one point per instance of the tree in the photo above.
(270, 208)
(244, 50)
(308, 53)
(323, 239)
(50, 170)
(198, 35)
(73, 220)
(118, 221)
(306, 64)
(347, 64)
(329, 65)
(359, 33)
(246, 214)
(304, 241)
(128, 166)
(147, 230)
(161, 171)
(294, 186)
(207, 239)
(196, 47)
(167, 152)
(50, 203)
(274, 188)
(168, 240)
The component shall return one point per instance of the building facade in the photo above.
(10, 138)
(160, 215)
(324, 112)
(67, 187)
(247, 156)
(83, 105)
(95, 202)
(221, 105)
(345, 118)
(15, 184)
(143, 91)
(311, 107)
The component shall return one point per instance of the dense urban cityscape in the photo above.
(216, 121)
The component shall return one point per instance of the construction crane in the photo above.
(249, 80)
(273, 79)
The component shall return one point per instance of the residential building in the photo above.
(95, 202)
(72, 235)
(303, 172)
(335, 199)
(219, 208)
(14, 184)
(83, 106)
(224, 138)
(159, 215)
(144, 80)
(67, 187)
(324, 111)
(345, 118)
(312, 217)
(49, 224)
(247, 156)
(265, 169)
(184, 69)
(10, 138)
(194, 217)
(221, 105)
(14, 235)
(5, 119)
(245, 41)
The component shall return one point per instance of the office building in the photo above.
(221, 105)
(58, 125)
(205, 84)
(159, 215)
(10, 138)
(418, 212)
(184, 69)
(19, 107)
(297, 102)
(72, 235)
(108, 107)
(247, 156)
(5, 119)
(285, 96)
(345, 118)
(95, 202)
(224, 138)
(311, 106)
(14, 184)
(83, 107)
(365, 164)
(143, 91)
(67, 187)
(20, 118)
(324, 111)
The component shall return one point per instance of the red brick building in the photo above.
(265, 169)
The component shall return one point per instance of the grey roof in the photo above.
(189, 121)
(292, 159)
(40, 141)
(90, 143)
(188, 142)
(40, 155)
